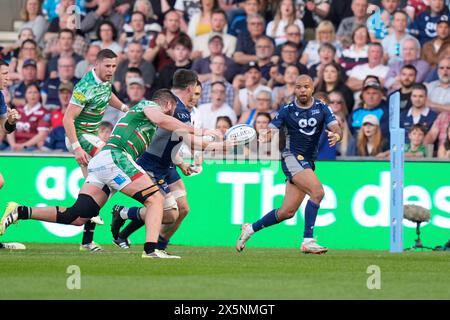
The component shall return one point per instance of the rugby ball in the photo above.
(242, 133)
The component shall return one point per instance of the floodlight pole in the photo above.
(397, 172)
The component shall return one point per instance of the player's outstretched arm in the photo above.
(72, 112)
(167, 122)
(116, 103)
(334, 134)
(8, 124)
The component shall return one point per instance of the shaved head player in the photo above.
(303, 121)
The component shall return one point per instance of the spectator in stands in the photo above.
(238, 24)
(293, 35)
(223, 123)
(439, 90)
(438, 131)
(136, 31)
(288, 57)
(285, 15)
(327, 55)
(374, 66)
(56, 138)
(425, 25)
(410, 55)
(218, 26)
(263, 105)
(134, 59)
(29, 76)
(245, 100)
(104, 11)
(392, 42)
(88, 63)
(357, 53)
(415, 7)
(340, 110)
(419, 113)
(152, 21)
(217, 107)
(187, 9)
(66, 39)
(444, 149)
(324, 33)
(28, 51)
(330, 81)
(33, 18)
(432, 48)
(182, 49)
(53, 9)
(338, 10)
(370, 141)
(257, 149)
(246, 42)
(200, 23)
(218, 68)
(135, 91)
(415, 148)
(154, 9)
(285, 94)
(316, 11)
(337, 103)
(130, 74)
(388, 7)
(372, 103)
(408, 75)
(34, 123)
(12, 51)
(348, 25)
(264, 53)
(202, 66)
(66, 73)
(160, 52)
(107, 38)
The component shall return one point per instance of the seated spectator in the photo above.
(348, 25)
(337, 103)
(28, 51)
(238, 24)
(65, 93)
(372, 103)
(12, 51)
(138, 31)
(347, 138)
(415, 7)
(264, 53)
(379, 32)
(107, 36)
(53, 9)
(408, 75)
(104, 12)
(218, 68)
(327, 54)
(159, 51)
(370, 141)
(419, 113)
(34, 124)
(200, 23)
(66, 40)
(29, 76)
(135, 91)
(293, 35)
(357, 53)
(288, 57)
(424, 26)
(134, 60)
(415, 148)
(432, 48)
(331, 81)
(245, 100)
(257, 149)
(263, 105)
(34, 19)
(223, 123)
(203, 66)
(438, 131)
(130, 74)
(88, 63)
(392, 42)
(218, 26)
(154, 9)
(187, 9)
(439, 90)
(246, 41)
(181, 55)
(444, 52)
(105, 130)
(285, 94)
(410, 55)
(66, 73)
(444, 149)
(325, 32)
(217, 107)
(285, 15)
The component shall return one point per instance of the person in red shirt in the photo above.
(34, 124)
(64, 93)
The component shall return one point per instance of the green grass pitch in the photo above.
(40, 272)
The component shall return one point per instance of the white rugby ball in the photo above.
(242, 133)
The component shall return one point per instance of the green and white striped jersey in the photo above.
(93, 95)
(134, 131)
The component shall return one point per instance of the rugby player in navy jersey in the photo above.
(302, 120)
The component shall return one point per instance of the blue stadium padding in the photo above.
(397, 170)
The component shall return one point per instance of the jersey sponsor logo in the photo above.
(183, 116)
(119, 179)
(304, 123)
(79, 96)
(315, 111)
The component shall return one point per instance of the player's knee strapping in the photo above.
(84, 207)
(177, 194)
(170, 203)
(146, 193)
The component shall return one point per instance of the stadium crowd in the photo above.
(248, 55)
